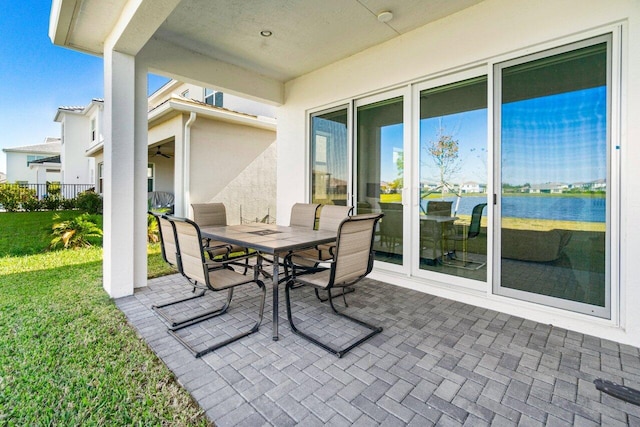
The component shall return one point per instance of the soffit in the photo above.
(307, 34)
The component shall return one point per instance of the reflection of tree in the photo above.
(444, 152)
(398, 183)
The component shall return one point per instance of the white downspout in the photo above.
(186, 164)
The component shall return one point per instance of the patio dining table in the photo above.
(277, 240)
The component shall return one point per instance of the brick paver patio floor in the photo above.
(437, 362)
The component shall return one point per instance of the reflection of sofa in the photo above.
(531, 245)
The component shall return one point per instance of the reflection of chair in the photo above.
(472, 232)
(434, 232)
(439, 207)
(353, 261)
(391, 226)
(199, 273)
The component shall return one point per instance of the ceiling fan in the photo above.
(158, 153)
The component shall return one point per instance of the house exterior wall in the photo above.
(18, 170)
(489, 32)
(224, 156)
(169, 130)
(76, 168)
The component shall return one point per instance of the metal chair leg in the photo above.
(337, 351)
(346, 290)
(218, 345)
(204, 316)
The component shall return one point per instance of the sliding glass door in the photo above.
(380, 171)
(553, 130)
(330, 156)
(452, 187)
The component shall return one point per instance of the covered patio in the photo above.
(458, 347)
(437, 362)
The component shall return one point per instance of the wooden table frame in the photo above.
(277, 240)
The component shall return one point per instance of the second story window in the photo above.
(213, 98)
(93, 130)
(185, 94)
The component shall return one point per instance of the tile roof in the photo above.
(51, 145)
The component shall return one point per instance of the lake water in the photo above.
(582, 209)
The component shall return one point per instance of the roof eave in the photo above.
(182, 106)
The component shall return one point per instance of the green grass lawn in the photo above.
(67, 354)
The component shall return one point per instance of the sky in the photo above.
(37, 77)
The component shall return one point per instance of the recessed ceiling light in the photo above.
(385, 16)
(266, 33)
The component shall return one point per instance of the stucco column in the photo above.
(125, 159)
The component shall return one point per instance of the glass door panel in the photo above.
(380, 172)
(329, 157)
(554, 198)
(453, 179)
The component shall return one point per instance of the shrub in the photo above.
(12, 196)
(51, 202)
(81, 231)
(153, 235)
(68, 204)
(31, 204)
(90, 202)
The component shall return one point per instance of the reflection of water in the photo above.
(584, 209)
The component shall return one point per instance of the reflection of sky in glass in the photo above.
(559, 138)
(469, 128)
(390, 141)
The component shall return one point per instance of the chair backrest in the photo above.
(354, 249)
(192, 260)
(209, 214)
(439, 208)
(476, 216)
(303, 215)
(331, 216)
(167, 240)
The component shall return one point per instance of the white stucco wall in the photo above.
(227, 159)
(18, 170)
(77, 168)
(491, 31)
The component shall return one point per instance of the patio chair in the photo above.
(212, 275)
(331, 216)
(169, 249)
(353, 260)
(212, 215)
(302, 215)
(472, 231)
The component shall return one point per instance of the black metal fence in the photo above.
(63, 191)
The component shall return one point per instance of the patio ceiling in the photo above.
(222, 38)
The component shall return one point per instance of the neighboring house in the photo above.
(346, 82)
(472, 187)
(80, 132)
(549, 188)
(226, 142)
(22, 169)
